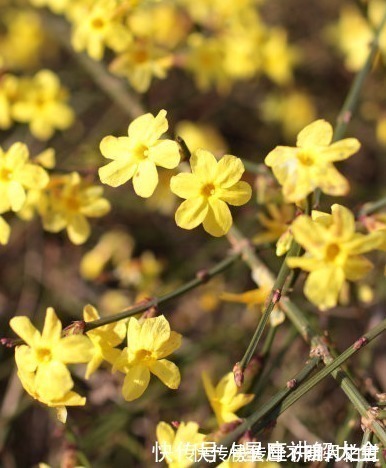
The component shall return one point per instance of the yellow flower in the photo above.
(21, 46)
(113, 247)
(104, 339)
(148, 343)
(100, 25)
(68, 202)
(137, 155)
(253, 297)
(278, 227)
(206, 61)
(207, 191)
(302, 169)
(41, 362)
(16, 175)
(376, 223)
(140, 62)
(172, 443)
(225, 398)
(199, 135)
(333, 253)
(70, 398)
(43, 105)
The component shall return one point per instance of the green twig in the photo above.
(371, 207)
(202, 277)
(352, 98)
(273, 299)
(366, 438)
(286, 397)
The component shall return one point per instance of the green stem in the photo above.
(287, 397)
(352, 98)
(202, 277)
(273, 299)
(371, 207)
(270, 406)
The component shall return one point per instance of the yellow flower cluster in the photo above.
(208, 189)
(40, 101)
(148, 38)
(18, 177)
(42, 360)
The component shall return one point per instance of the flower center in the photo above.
(5, 174)
(43, 355)
(143, 355)
(208, 190)
(97, 23)
(140, 56)
(305, 157)
(141, 152)
(332, 252)
(72, 204)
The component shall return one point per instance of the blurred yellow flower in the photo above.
(100, 25)
(43, 105)
(140, 62)
(225, 399)
(115, 246)
(41, 362)
(148, 343)
(172, 443)
(278, 227)
(22, 43)
(67, 202)
(333, 253)
(137, 155)
(5, 231)
(104, 340)
(207, 190)
(200, 135)
(309, 166)
(17, 175)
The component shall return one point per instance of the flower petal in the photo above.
(154, 333)
(237, 195)
(309, 234)
(145, 179)
(341, 150)
(115, 148)
(331, 181)
(357, 267)
(148, 128)
(78, 229)
(52, 329)
(53, 380)
(204, 165)
(173, 343)
(135, 383)
(25, 359)
(219, 219)
(165, 434)
(117, 172)
(229, 171)
(191, 212)
(185, 185)
(73, 349)
(165, 153)
(167, 372)
(23, 327)
(16, 195)
(323, 286)
(318, 133)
